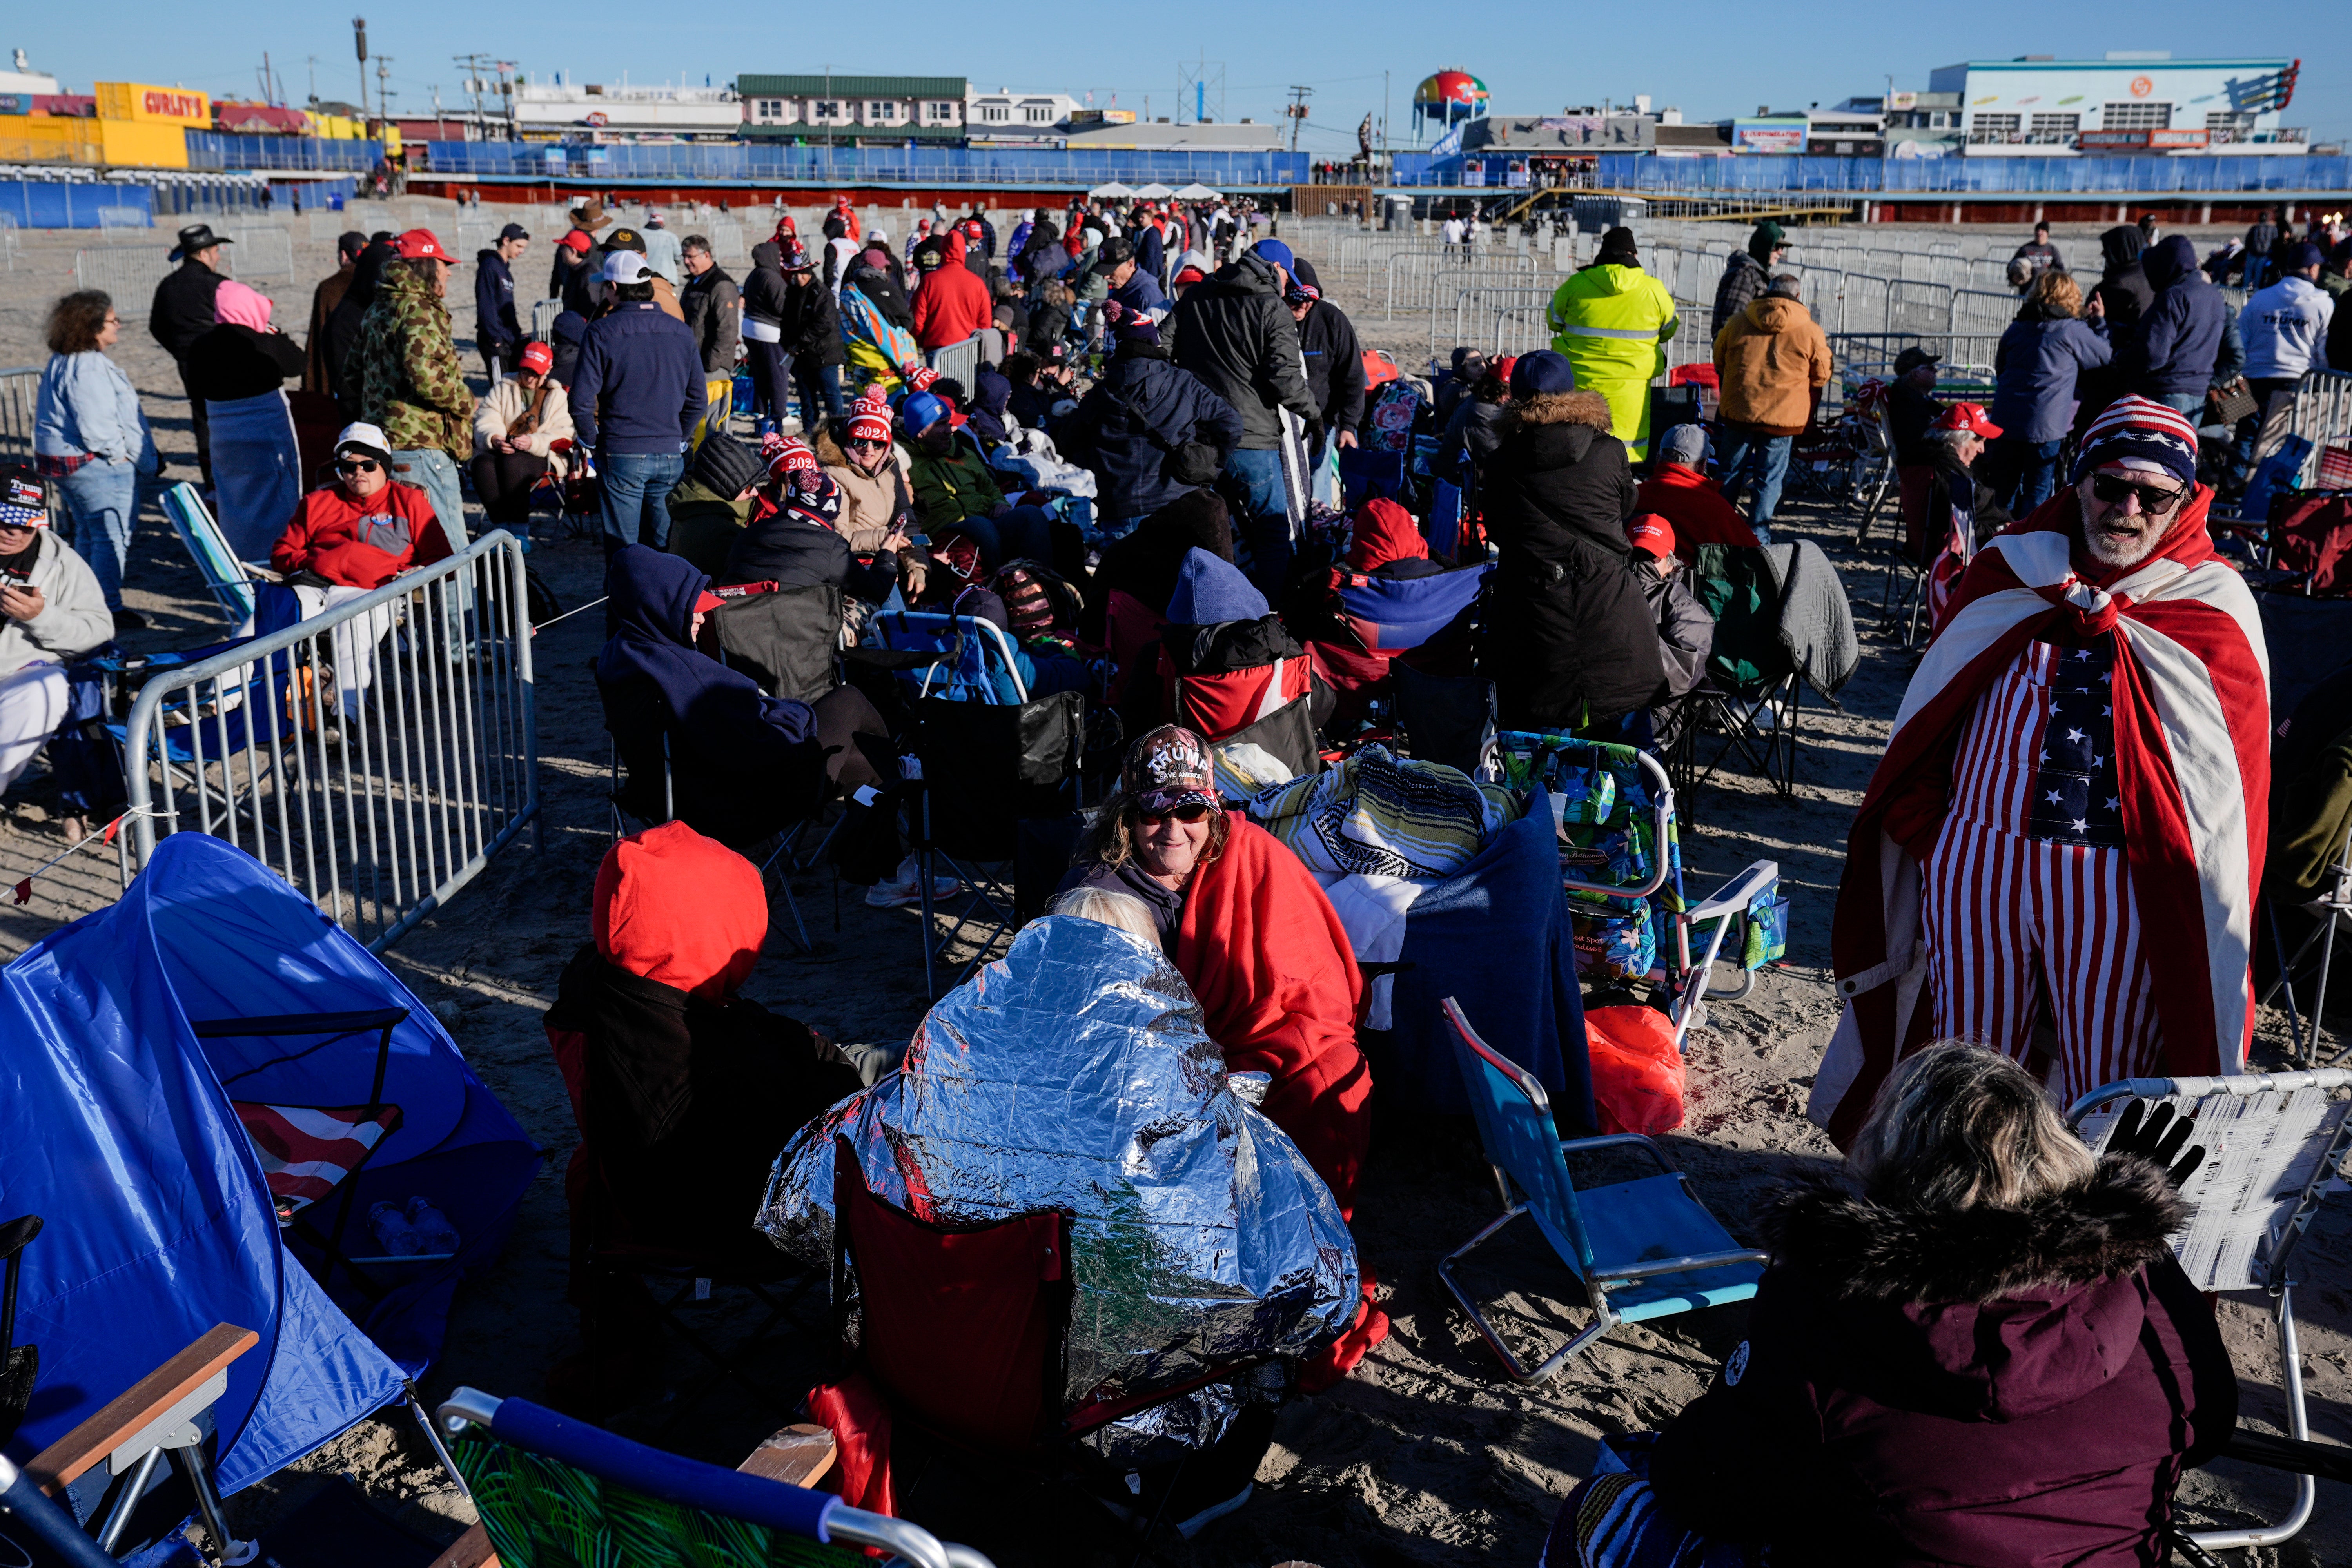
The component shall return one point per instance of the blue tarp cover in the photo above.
(116, 1128)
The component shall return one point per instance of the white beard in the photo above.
(2117, 553)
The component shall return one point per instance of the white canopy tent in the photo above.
(1155, 192)
(1197, 191)
(1112, 192)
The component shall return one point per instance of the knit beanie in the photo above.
(1542, 372)
(725, 466)
(2139, 430)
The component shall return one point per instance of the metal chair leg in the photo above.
(1602, 1320)
(2306, 1489)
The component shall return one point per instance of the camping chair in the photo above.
(1751, 700)
(309, 1152)
(761, 825)
(2273, 1143)
(227, 579)
(550, 1489)
(1622, 871)
(1866, 416)
(1380, 619)
(1641, 1249)
(787, 640)
(96, 1476)
(2330, 913)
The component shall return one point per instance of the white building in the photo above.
(609, 111)
(875, 110)
(1004, 116)
(2129, 102)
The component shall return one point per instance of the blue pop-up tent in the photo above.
(116, 1128)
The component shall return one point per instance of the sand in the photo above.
(1427, 1455)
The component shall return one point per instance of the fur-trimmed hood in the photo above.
(1984, 1314)
(1586, 408)
(2114, 1225)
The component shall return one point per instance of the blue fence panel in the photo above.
(220, 150)
(761, 160)
(60, 204)
(2024, 176)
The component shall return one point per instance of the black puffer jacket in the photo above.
(1234, 332)
(1569, 638)
(1130, 467)
(181, 311)
(789, 551)
(811, 322)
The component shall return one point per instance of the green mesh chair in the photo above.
(554, 1492)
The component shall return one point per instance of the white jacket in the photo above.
(507, 403)
(2284, 329)
(76, 620)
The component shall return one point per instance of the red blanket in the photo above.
(1278, 989)
(2192, 722)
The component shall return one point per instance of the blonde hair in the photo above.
(1961, 1126)
(2056, 293)
(1125, 910)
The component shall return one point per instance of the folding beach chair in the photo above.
(227, 579)
(1641, 1249)
(1621, 867)
(2274, 1144)
(2330, 913)
(1749, 705)
(553, 1489)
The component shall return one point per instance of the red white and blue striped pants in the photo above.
(2020, 931)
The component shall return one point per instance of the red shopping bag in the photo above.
(1637, 1074)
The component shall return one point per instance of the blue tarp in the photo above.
(115, 1126)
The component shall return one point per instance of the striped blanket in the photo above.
(1614, 1522)
(1378, 815)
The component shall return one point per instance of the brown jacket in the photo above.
(323, 299)
(1772, 362)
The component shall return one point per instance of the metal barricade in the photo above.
(957, 362)
(1983, 309)
(543, 318)
(376, 756)
(20, 391)
(128, 275)
(1966, 358)
(2321, 413)
(262, 252)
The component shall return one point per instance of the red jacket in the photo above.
(362, 544)
(950, 306)
(1694, 505)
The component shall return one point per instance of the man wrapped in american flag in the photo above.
(2058, 853)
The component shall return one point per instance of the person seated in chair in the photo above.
(1976, 1350)
(348, 539)
(742, 764)
(1267, 958)
(1685, 631)
(955, 489)
(516, 428)
(51, 610)
(715, 502)
(682, 1088)
(793, 539)
(1679, 490)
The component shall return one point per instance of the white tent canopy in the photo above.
(1114, 192)
(1196, 192)
(1154, 192)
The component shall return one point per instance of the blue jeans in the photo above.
(1025, 533)
(436, 473)
(1747, 452)
(102, 499)
(2192, 404)
(636, 506)
(2026, 472)
(1262, 519)
(820, 387)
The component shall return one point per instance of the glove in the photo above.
(1311, 433)
(2160, 1135)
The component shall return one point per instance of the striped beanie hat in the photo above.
(2142, 433)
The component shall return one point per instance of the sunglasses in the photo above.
(2152, 500)
(356, 466)
(867, 441)
(1190, 811)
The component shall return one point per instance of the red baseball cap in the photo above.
(708, 602)
(423, 243)
(1969, 416)
(537, 357)
(576, 240)
(1652, 532)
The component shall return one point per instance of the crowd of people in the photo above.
(1975, 1349)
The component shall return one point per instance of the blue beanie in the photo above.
(1545, 370)
(1275, 251)
(920, 411)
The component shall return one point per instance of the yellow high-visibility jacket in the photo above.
(1609, 321)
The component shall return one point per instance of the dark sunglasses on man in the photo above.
(2153, 500)
(862, 443)
(356, 464)
(1190, 811)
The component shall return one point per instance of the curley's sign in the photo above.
(164, 103)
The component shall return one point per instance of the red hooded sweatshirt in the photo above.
(1694, 505)
(952, 303)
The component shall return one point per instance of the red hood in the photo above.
(681, 911)
(1384, 532)
(955, 247)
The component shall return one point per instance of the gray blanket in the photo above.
(1816, 622)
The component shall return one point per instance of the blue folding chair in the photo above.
(228, 580)
(1394, 616)
(977, 663)
(1641, 1248)
(553, 1489)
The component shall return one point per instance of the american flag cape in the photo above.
(2193, 724)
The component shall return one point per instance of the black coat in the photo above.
(232, 362)
(496, 325)
(790, 552)
(183, 307)
(1569, 638)
(1335, 366)
(812, 323)
(885, 291)
(2123, 289)
(1234, 332)
(1130, 467)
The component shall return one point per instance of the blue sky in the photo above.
(1711, 59)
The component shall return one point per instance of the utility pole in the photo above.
(314, 82)
(1384, 119)
(359, 37)
(1298, 111)
(382, 90)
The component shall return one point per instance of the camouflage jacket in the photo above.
(403, 373)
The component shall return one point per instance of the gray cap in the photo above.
(1684, 443)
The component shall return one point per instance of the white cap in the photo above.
(626, 267)
(367, 438)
